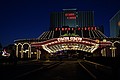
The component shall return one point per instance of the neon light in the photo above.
(85, 28)
(65, 28)
(72, 28)
(78, 28)
(5, 54)
(70, 46)
(68, 29)
(66, 39)
(59, 29)
(71, 17)
(88, 28)
(62, 29)
(69, 14)
(82, 28)
(91, 28)
(56, 29)
(95, 28)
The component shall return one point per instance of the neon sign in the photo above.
(82, 28)
(67, 39)
(70, 16)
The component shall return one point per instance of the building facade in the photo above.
(72, 18)
(70, 31)
(115, 25)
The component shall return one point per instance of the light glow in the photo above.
(68, 39)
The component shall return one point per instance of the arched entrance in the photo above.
(71, 45)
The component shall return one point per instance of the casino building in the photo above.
(115, 25)
(72, 18)
(71, 33)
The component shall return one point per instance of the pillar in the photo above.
(103, 52)
(113, 50)
(38, 54)
(16, 50)
(29, 51)
(21, 51)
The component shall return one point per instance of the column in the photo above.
(16, 50)
(113, 50)
(21, 51)
(29, 51)
(103, 52)
(38, 54)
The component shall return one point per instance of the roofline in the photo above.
(69, 9)
(114, 15)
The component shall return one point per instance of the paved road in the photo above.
(38, 70)
(69, 70)
(10, 71)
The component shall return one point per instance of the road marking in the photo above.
(28, 72)
(88, 71)
(98, 64)
(51, 65)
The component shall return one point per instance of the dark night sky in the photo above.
(25, 19)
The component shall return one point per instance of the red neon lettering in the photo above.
(56, 29)
(62, 29)
(65, 28)
(59, 28)
(72, 28)
(71, 17)
(78, 28)
(95, 28)
(91, 28)
(68, 29)
(69, 14)
(88, 28)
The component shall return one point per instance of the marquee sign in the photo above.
(71, 43)
(69, 39)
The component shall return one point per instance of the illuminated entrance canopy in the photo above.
(71, 43)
